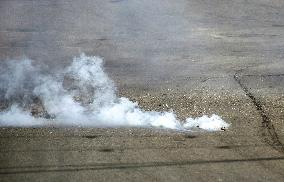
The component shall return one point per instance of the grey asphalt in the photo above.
(195, 57)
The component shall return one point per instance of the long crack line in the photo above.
(267, 125)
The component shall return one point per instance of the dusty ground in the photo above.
(195, 57)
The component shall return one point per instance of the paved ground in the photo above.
(196, 57)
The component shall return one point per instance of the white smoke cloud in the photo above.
(81, 95)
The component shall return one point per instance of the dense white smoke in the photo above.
(82, 95)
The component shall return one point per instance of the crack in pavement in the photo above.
(120, 166)
(265, 75)
(267, 126)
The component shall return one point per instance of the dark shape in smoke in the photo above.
(17, 81)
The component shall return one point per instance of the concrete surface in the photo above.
(198, 57)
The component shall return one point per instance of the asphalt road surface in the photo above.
(195, 57)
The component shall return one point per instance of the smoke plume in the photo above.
(81, 95)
